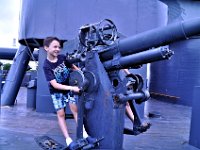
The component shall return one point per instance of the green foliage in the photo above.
(6, 66)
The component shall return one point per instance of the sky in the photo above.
(9, 25)
(9, 22)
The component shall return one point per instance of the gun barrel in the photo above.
(140, 58)
(155, 38)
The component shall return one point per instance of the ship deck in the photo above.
(169, 131)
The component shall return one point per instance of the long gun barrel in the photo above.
(154, 38)
(9, 53)
(138, 59)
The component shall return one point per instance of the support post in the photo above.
(79, 131)
(0, 85)
(15, 75)
(194, 139)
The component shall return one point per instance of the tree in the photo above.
(6, 66)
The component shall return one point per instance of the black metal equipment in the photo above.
(104, 94)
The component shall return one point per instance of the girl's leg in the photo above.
(129, 112)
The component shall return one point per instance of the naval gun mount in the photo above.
(102, 53)
(103, 93)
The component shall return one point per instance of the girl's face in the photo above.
(53, 49)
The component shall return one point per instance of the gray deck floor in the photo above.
(19, 126)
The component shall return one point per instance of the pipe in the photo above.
(9, 53)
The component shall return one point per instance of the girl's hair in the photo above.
(47, 41)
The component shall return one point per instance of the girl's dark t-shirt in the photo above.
(59, 71)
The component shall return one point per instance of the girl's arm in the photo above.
(126, 71)
(74, 67)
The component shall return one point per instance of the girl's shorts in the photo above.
(60, 100)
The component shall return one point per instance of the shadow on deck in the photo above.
(169, 131)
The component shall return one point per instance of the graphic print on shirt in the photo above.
(61, 73)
